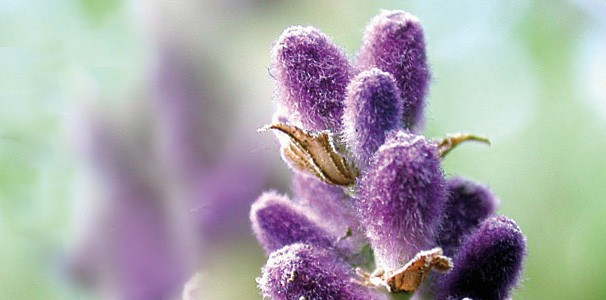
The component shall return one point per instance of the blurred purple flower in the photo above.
(134, 250)
(170, 190)
(190, 112)
(399, 205)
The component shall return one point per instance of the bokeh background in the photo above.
(129, 154)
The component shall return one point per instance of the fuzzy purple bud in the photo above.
(488, 264)
(301, 271)
(394, 43)
(277, 222)
(373, 107)
(468, 203)
(311, 75)
(401, 197)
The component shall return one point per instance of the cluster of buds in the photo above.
(373, 215)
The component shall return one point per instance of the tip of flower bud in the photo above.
(311, 75)
(396, 16)
(277, 222)
(373, 107)
(394, 42)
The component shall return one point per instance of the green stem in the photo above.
(400, 296)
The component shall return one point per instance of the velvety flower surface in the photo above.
(394, 42)
(312, 74)
(277, 222)
(369, 191)
(488, 264)
(373, 107)
(301, 271)
(401, 198)
(468, 204)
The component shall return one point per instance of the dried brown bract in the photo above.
(409, 277)
(452, 140)
(315, 153)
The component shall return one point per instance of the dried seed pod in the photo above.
(410, 276)
(316, 154)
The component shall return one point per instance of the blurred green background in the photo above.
(529, 75)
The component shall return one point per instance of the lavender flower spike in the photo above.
(372, 108)
(394, 43)
(468, 204)
(301, 271)
(276, 222)
(488, 264)
(401, 198)
(311, 77)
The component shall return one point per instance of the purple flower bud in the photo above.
(468, 203)
(328, 202)
(311, 77)
(301, 271)
(276, 223)
(401, 198)
(372, 108)
(394, 43)
(488, 264)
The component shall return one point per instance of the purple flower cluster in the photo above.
(400, 218)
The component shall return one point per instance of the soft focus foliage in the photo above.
(529, 75)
